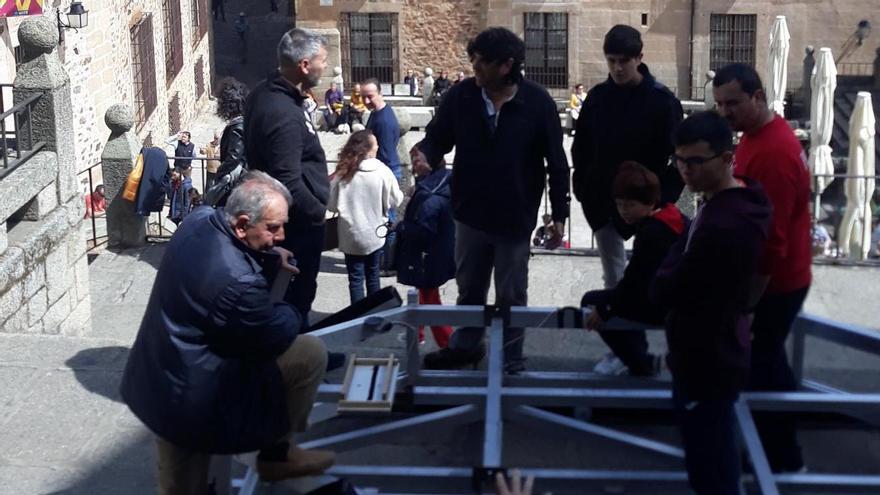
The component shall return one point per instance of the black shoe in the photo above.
(387, 273)
(335, 360)
(447, 359)
(514, 367)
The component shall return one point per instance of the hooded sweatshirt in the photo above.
(704, 282)
(619, 123)
(363, 203)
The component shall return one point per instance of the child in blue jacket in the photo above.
(425, 255)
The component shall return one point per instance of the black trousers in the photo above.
(770, 371)
(630, 346)
(709, 435)
(306, 242)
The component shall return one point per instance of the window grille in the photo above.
(199, 12)
(174, 114)
(546, 37)
(200, 77)
(731, 39)
(173, 39)
(370, 47)
(143, 68)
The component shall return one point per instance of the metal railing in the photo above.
(855, 69)
(20, 138)
(97, 220)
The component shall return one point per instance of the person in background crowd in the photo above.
(195, 199)
(459, 78)
(218, 7)
(425, 256)
(212, 164)
(706, 283)
(770, 154)
(184, 149)
(363, 192)
(219, 368)
(179, 197)
(413, 81)
(636, 192)
(333, 103)
(357, 107)
(95, 202)
(575, 103)
(629, 117)
(441, 85)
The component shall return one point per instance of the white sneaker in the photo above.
(610, 365)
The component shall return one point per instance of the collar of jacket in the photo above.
(257, 259)
(434, 181)
(472, 91)
(647, 80)
(278, 83)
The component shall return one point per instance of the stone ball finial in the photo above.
(809, 49)
(710, 74)
(119, 118)
(38, 34)
(337, 71)
(429, 71)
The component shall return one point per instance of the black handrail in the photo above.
(23, 152)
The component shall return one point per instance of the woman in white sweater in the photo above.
(362, 191)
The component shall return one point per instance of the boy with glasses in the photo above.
(706, 284)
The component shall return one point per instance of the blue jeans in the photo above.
(362, 268)
(708, 430)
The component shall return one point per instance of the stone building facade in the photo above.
(683, 39)
(107, 65)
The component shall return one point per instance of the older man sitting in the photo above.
(218, 367)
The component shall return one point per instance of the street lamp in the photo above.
(77, 17)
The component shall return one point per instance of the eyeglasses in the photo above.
(694, 161)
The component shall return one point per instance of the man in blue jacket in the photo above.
(503, 128)
(281, 141)
(217, 366)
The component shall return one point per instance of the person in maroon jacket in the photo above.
(770, 153)
(706, 282)
(658, 225)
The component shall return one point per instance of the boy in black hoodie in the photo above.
(706, 283)
(658, 226)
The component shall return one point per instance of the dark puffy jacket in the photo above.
(281, 141)
(155, 182)
(617, 124)
(202, 373)
(705, 283)
(232, 150)
(425, 254)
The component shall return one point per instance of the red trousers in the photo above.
(441, 332)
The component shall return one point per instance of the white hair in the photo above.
(252, 195)
(299, 44)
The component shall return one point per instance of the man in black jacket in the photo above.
(707, 282)
(281, 140)
(630, 116)
(503, 128)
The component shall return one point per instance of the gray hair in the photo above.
(299, 44)
(252, 195)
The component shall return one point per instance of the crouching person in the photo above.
(706, 283)
(218, 367)
(658, 225)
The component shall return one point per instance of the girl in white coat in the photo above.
(362, 191)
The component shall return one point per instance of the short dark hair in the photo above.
(231, 98)
(748, 77)
(499, 45)
(706, 126)
(374, 81)
(634, 181)
(623, 40)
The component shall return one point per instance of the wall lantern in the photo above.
(77, 17)
(863, 30)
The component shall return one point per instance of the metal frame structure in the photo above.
(492, 397)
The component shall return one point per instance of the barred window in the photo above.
(546, 38)
(199, 12)
(371, 42)
(173, 39)
(174, 114)
(731, 39)
(143, 68)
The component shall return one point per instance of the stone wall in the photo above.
(98, 59)
(435, 32)
(44, 278)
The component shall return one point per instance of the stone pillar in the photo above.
(125, 228)
(708, 94)
(52, 116)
